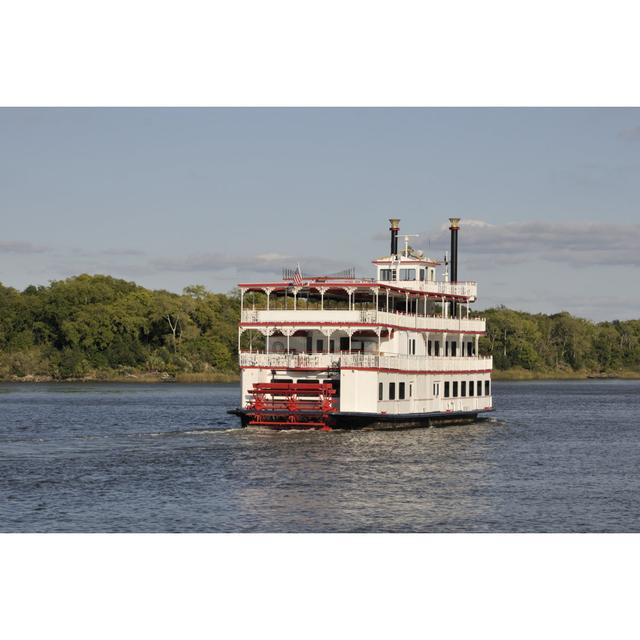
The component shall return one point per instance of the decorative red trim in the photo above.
(378, 369)
(279, 286)
(417, 371)
(357, 324)
(255, 366)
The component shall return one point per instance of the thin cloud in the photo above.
(596, 308)
(574, 243)
(265, 263)
(21, 247)
(84, 253)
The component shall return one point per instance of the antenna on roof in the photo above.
(406, 242)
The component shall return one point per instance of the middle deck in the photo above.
(360, 317)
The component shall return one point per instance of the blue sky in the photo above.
(549, 198)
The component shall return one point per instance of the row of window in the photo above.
(450, 348)
(402, 389)
(466, 388)
(405, 274)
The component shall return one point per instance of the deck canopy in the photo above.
(345, 289)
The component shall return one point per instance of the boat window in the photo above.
(392, 391)
(479, 388)
(421, 275)
(487, 388)
(387, 274)
(436, 389)
(446, 389)
(308, 381)
(407, 274)
(319, 346)
(281, 380)
(410, 390)
(332, 346)
(344, 344)
(471, 387)
(454, 348)
(455, 389)
(309, 344)
(401, 391)
(380, 391)
(463, 388)
(469, 349)
(437, 346)
(429, 345)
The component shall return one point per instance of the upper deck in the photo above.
(406, 294)
(318, 286)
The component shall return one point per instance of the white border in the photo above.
(318, 586)
(335, 52)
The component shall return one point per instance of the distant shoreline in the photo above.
(132, 378)
(230, 378)
(525, 374)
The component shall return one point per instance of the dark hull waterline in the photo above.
(378, 421)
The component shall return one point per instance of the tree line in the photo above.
(86, 324)
(560, 342)
(98, 325)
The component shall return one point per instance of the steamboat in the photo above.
(339, 352)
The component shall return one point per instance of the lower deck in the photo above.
(386, 392)
(368, 421)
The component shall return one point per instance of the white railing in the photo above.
(436, 323)
(301, 315)
(467, 289)
(408, 321)
(291, 360)
(416, 363)
(364, 361)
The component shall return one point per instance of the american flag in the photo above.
(297, 277)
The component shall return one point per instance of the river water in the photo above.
(555, 456)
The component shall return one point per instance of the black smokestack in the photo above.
(394, 228)
(454, 228)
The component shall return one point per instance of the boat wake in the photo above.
(192, 432)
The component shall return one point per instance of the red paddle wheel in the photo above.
(291, 406)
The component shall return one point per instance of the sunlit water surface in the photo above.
(555, 456)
